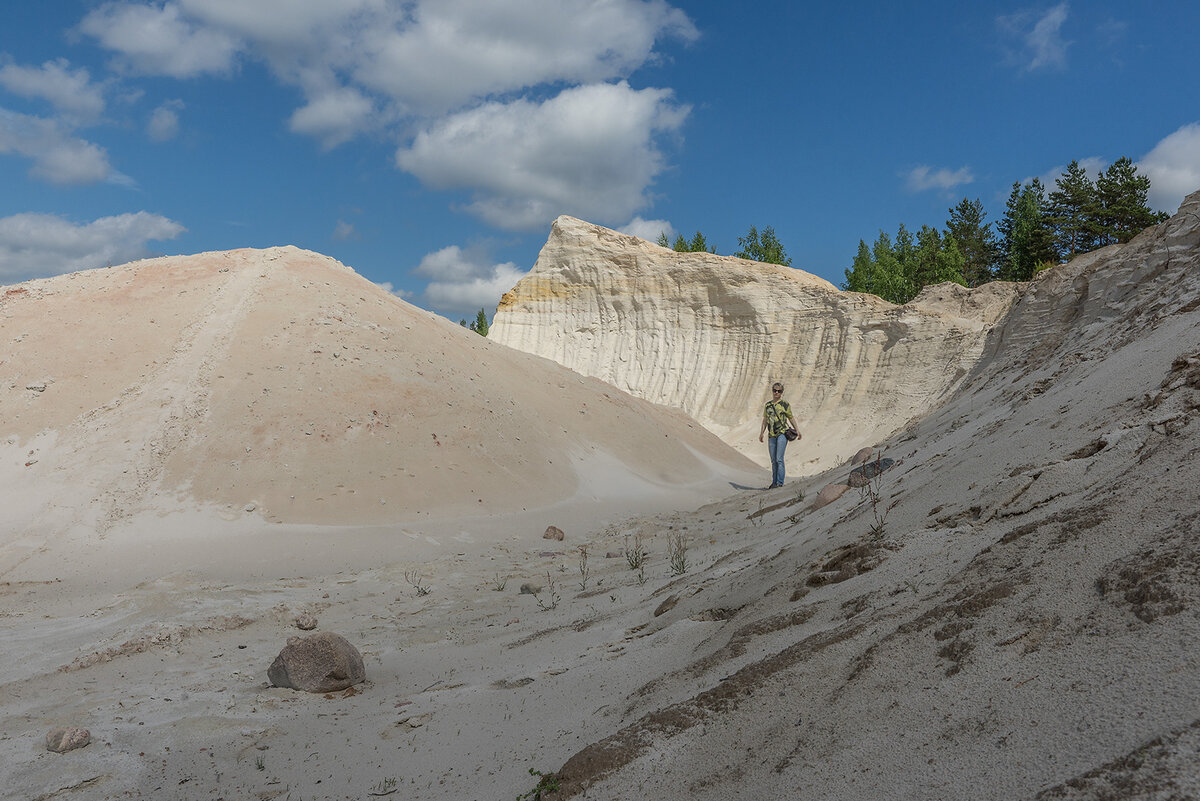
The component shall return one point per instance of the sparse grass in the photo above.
(385, 787)
(499, 583)
(259, 763)
(584, 571)
(417, 582)
(637, 556)
(547, 783)
(872, 492)
(552, 597)
(677, 546)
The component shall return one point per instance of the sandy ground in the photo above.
(1010, 611)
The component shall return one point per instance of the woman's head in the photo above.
(777, 388)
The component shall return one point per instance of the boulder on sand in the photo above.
(322, 663)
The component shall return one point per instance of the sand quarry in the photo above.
(198, 450)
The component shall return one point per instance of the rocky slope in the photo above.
(1010, 612)
(708, 334)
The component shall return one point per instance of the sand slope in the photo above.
(1023, 625)
(279, 386)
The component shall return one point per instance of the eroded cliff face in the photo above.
(709, 334)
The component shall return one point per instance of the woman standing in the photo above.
(777, 421)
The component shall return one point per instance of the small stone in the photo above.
(250, 507)
(667, 605)
(553, 533)
(862, 456)
(828, 494)
(306, 622)
(529, 588)
(67, 739)
(861, 476)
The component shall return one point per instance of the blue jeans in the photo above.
(776, 446)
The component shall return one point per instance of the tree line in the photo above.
(761, 246)
(1037, 231)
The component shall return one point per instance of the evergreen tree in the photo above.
(935, 261)
(1027, 243)
(765, 247)
(1121, 194)
(662, 240)
(967, 226)
(681, 244)
(1072, 213)
(861, 275)
(480, 326)
(700, 245)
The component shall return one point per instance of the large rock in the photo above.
(66, 739)
(707, 334)
(322, 663)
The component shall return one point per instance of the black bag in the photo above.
(792, 434)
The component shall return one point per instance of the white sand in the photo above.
(1029, 614)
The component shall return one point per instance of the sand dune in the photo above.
(278, 386)
(1010, 611)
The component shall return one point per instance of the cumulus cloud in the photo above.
(38, 245)
(1173, 167)
(649, 230)
(333, 117)
(591, 152)
(57, 155)
(444, 69)
(156, 40)
(924, 177)
(465, 280)
(1040, 37)
(70, 91)
(482, 48)
(164, 121)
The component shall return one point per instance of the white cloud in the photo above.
(343, 231)
(1041, 42)
(37, 245)
(590, 152)
(482, 48)
(442, 67)
(924, 177)
(466, 281)
(57, 156)
(1045, 41)
(1173, 167)
(333, 117)
(649, 230)
(422, 58)
(282, 22)
(69, 91)
(160, 41)
(164, 122)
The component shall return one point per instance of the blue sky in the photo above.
(429, 144)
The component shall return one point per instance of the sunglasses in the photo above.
(777, 392)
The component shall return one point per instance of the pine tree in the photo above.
(662, 241)
(1071, 213)
(967, 226)
(1121, 194)
(480, 326)
(700, 245)
(1027, 242)
(935, 260)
